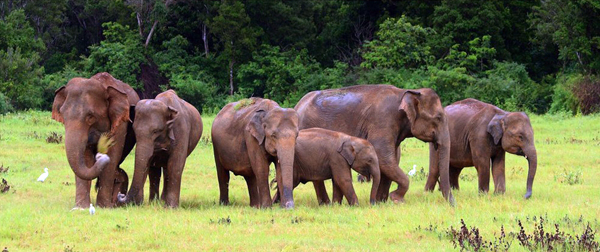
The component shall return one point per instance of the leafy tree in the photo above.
(398, 44)
(120, 54)
(571, 26)
(19, 61)
(236, 34)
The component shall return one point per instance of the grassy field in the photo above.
(36, 216)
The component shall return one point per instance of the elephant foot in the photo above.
(527, 195)
(396, 199)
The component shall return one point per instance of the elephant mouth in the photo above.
(520, 152)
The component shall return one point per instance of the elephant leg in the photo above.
(498, 173)
(260, 168)
(398, 176)
(483, 173)
(343, 182)
(82, 192)
(154, 174)
(173, 189)
(434, 172)
(321, 192)
(384, 188)
(223, 177)
(338, 194)
(454, 176)
(252, 191)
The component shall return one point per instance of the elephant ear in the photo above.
(60, 95)
(172, 115)
(255, 126)
(496, 128)
(347, 151)
(410, 105)
(118, 107)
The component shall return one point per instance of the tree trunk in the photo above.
(150, 34)
(231, 62)
(205, 39)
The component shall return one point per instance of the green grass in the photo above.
(36, 216)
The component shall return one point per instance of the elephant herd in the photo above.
(328, 133)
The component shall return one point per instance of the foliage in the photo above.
(570, 25)
(19, 62)
(187, 76)
(120, 54)
(52, 82)
(398, 44)
(563, 98)
(5, 106)
(569, 177)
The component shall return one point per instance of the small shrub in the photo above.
(587, 92)
(54, 137)
(2, 169)
(4, 187)
(569, 177)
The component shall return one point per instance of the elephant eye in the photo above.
(156, 131)
(274, 136)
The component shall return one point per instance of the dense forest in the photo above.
(530, 55)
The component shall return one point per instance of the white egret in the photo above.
(413, 171)
(92, 209)
(44, 175)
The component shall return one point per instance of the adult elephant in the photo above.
(167, 130)
(88, 108)
(249, 135)
(481, 133)
(385, 116)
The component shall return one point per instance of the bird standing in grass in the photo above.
(92, 209)
(44, 175)
(413, 171)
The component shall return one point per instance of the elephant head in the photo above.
(361, 156)
(87, 108)
(153, 129)
(276, 130)
(428, 123)
(514, 133)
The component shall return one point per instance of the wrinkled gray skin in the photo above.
(480, 134)
(385, 116)
(247, 139)
(88, 108)
(167, 130)
(324, 154)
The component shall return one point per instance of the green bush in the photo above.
(51, 82)
(5, 106)
(120, 54)
(563, 98)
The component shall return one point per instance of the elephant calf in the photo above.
(167, 130)
(480, 134)
(322, 154)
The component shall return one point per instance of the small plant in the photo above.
(2, 169)
(105, 142)
(569, 177)
(205, 140)
(468, 177)
(221, 221)
(54, 137)
(4, 187)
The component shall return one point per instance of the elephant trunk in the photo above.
(443, 148)
(531, 156)
(143, 155)
(285, 155)
(75, 144)
(376, 174)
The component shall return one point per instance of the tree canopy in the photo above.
(535, 56)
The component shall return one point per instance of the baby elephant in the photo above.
(322, 154)
(167, 130)
(480, 134)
